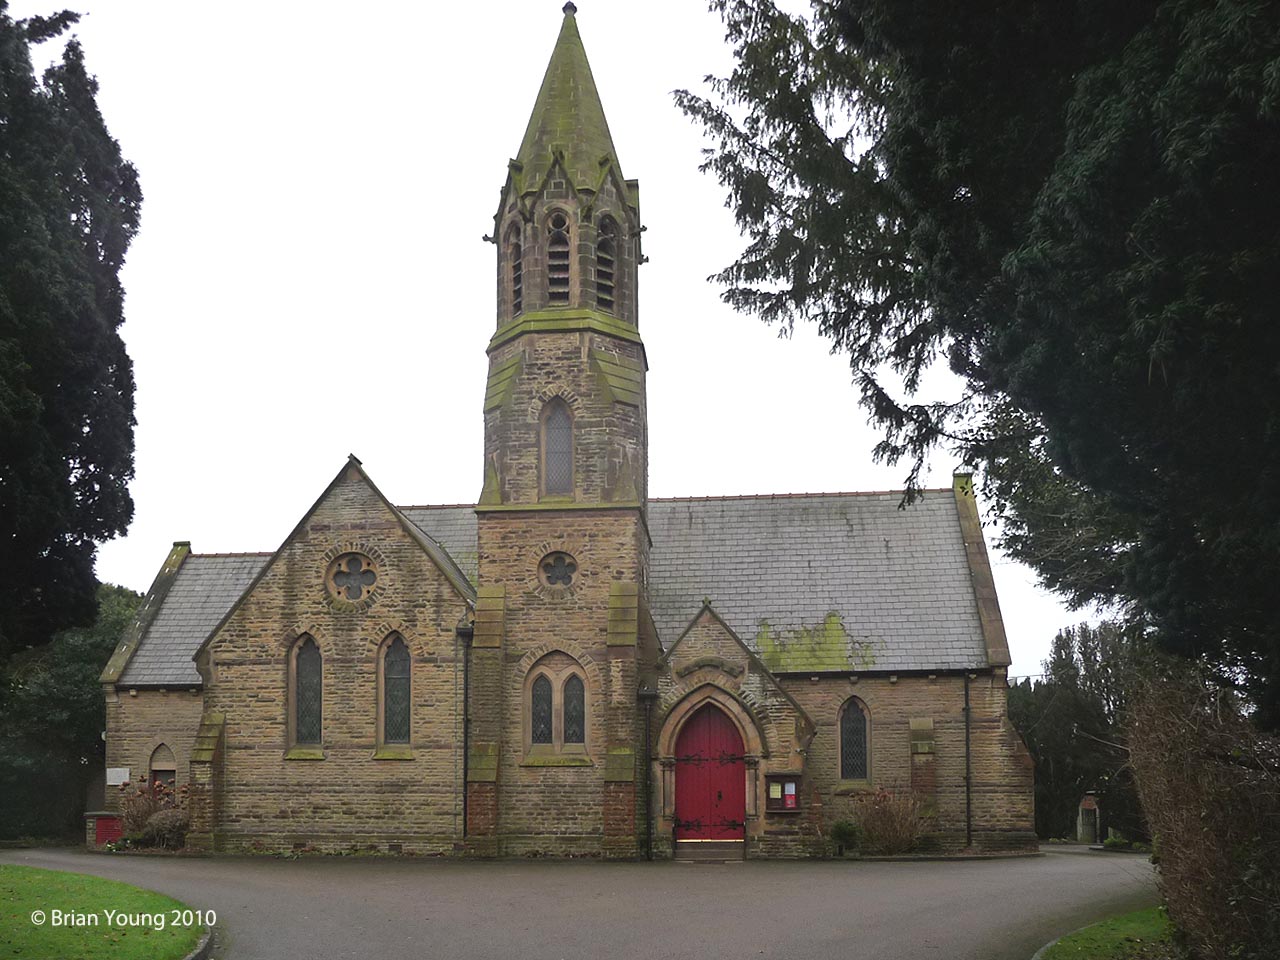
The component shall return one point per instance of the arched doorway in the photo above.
(710, 792)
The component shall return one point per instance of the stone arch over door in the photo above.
(753, 745)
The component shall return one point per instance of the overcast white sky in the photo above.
(310, 279)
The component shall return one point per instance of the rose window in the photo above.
(352, 577)
(557, 569)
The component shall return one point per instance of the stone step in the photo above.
(716, 851)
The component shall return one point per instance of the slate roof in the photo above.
(454, 528)
(204, 589)
(821, 581)
(776, 568)
(461, 579)
(811, 582)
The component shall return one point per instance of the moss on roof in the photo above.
(826, 646)
(568, 118)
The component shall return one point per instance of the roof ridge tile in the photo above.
(234, 553)
(794, 496)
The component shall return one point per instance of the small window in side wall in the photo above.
(162, 767)
(308, 693)
(395, 692)
(606, 261)
(855, 750)
(540, 711)
(557, 448)
(558, 251)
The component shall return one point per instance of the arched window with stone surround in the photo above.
(395, 691)
(540, 713)
(162, 767)
(855, 741)
(557, 449)
(515, 269)
(606, 261)
(308, 692)
(557, 712)
(559, 249)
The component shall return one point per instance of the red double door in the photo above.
(710, 778)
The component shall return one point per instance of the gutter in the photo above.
(648, 694)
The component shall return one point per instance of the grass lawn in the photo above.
(124, 934)
(1134, 936)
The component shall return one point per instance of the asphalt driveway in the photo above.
(329, 908)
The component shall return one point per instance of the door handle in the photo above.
(719, 795)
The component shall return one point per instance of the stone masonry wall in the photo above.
(558, 801)
(138, 723)
(610, 438)
(1002, 794)
(350, 798)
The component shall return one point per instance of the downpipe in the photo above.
(968, 768)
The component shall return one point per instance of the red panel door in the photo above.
(711, 794)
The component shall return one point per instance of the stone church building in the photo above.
(568, 666)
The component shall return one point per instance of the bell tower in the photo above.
(568, 238)
(563, 543)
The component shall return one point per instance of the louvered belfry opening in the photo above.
(515, 261)
(606, 261)
(558, 250)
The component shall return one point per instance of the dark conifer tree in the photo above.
(1074, 204)
(68, 210)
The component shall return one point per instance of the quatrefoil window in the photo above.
(352, 577)
(557, 569)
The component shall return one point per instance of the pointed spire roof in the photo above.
(567, 117)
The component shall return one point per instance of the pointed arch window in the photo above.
(540, 710)
(162, 768)
(558, 250)
(308, 693)
(575, 710)
(606, 261)
(556, 720)
(557, 449)
(395, 691)
(855, 742)
(515, 268)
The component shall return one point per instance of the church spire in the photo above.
(568, 224)
(567, 118)
(565, 401)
